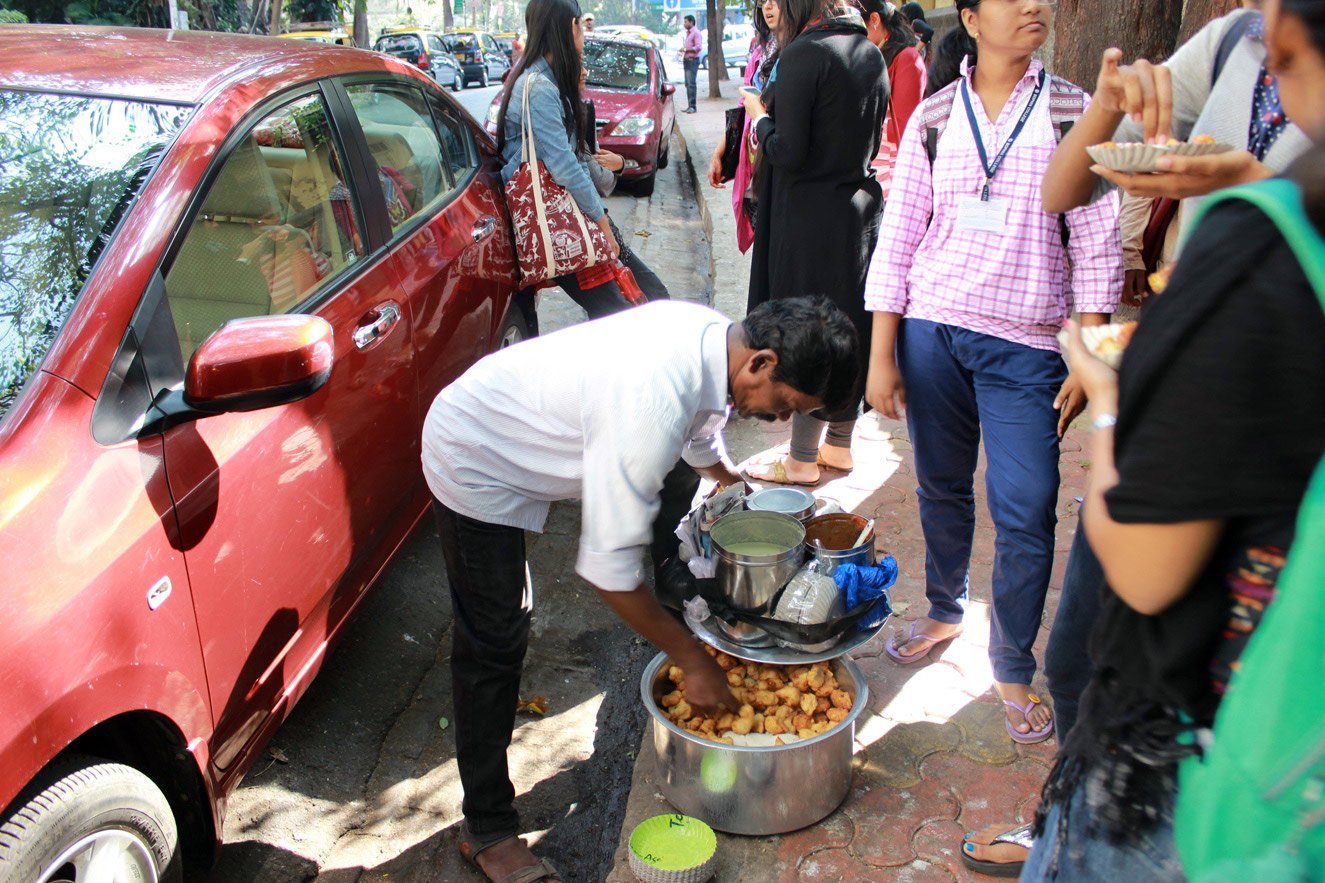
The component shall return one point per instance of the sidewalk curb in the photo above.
(730, 270)
(700, 198)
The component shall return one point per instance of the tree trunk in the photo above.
(716, 9)
(448, 16)
(361, 36)
(1085, 28)
(1198, 13)
(275, 18)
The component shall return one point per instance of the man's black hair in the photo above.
(690, 18)
(817, 346)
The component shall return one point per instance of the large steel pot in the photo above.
(757, 791)
(747, 580)
(836, 534)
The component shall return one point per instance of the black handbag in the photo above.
(731, 152)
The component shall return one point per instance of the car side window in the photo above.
(435, 45)
(277, 223)
(405, 146)
(457, 140)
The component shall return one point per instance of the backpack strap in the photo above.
(1067, 104)
(1227, 43)
(1281, 201)
(934, 115)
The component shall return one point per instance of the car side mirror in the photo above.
(255, 363)
(668, 89)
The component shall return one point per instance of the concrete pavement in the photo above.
(933, 759)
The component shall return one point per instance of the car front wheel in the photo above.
(91, 820)
(483, 79)
(516, 328)
(458, 81)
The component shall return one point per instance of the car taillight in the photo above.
(423, 61)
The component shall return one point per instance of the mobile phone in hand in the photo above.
(750, 90)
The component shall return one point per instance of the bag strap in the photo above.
(1281, 201)
(1067, 104)
(934, 115)
(1227, 43)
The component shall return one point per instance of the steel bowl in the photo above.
(796, 502)
(749, 790)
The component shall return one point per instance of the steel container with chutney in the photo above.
(757, 554)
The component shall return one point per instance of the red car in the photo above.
(633, 102)
(234, 271)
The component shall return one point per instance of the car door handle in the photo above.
(483, 227)
(380, 321)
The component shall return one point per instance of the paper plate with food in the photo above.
(1104, 342)
(1135, 158)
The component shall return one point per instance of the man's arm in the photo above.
(706, 683)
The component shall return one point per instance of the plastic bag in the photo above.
(863, 585)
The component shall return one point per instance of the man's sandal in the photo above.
(1031, 736)
(471, 848)
(1015, 837)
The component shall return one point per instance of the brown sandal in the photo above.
(540, 870)
(824, 464)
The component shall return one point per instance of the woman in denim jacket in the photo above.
(550, 68)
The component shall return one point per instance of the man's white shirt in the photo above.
(600, 411)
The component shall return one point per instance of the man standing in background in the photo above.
(587, 20)
(690, 58)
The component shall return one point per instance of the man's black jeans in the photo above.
(492, 601)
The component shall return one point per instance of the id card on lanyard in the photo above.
(986, 213)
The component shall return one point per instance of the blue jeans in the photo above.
(958, 384)
(691, 66)
(1067, 659)
(1083, 857)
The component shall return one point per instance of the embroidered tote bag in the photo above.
(552, 236)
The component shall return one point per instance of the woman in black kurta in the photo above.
(818, 202)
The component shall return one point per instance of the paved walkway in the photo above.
(933, 759)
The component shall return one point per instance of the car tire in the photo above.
(483, 78)
(458, 83)
(516, 327)
(664, 151)
(644, 186)
(84, 803)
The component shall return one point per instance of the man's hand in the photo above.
(1135, 288)
(884, 390)
(706, 686)
(1142, 90)
(1069, 403)
(1098, 380)
(1179, 177)
(715, 164)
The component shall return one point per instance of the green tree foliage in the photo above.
(12, 17)
(316, 10)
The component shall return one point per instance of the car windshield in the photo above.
(617, 66)
(408, 43)
(69, 168)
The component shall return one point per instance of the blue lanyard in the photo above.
(992, 168)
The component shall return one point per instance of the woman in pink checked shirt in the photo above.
(969, 289)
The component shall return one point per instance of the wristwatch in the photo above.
(1104, 421)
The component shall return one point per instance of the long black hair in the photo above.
(900, 32)
(548, 25)
(956, 44)
(796, 14)
(1309, 170)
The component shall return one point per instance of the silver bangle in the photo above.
(1104, 421)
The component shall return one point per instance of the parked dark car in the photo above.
(481, 58)
(425, 51)
(237, 271)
